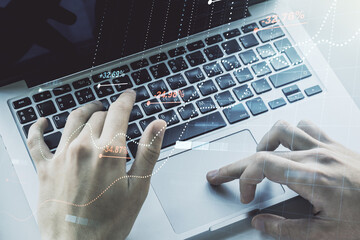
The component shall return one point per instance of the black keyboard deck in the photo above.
(205, 84)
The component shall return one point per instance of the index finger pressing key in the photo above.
(118, 115)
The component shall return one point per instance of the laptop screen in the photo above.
(42, 40)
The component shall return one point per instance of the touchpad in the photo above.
(189, 200)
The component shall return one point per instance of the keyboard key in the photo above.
(145, 122)
(290, 76)
(177, 65)
(270, 20)
(261, 69)
(266, 51)
(141, 77)
(105, 104)
(152, 106)
(139, 64)
(133, 146)
(260, 86)
(61, 90)
(279, 63)
(84, 95)
(193, 128)
(53, 140)
(277, 103)
(213, 39)
(141, 94)
(194, 75)
(177, 52)
(195, 45)
(169, 117)
(26, 115)
(224, 99)
(176, 81)
(236, 113)
(104, 89)
(213, 52)
(249, 28)
(22, 103)
(232, 33)
(248, 57)
(60, 119)
(249, 41)
(49, 128)
(46, 108)
(159, 70)
(115, 97)
(230, 63)
(158, 88)
(170, 100)
(81, 83)
(256, 106)
(188, 111)
(231, 47)
(65, 102)
(121, 70)
(195, 58)
(213, 69)
(207, 87)
(291, 90)
(293, 56)
(42, 96)
(189, 94)
(243, 92)
(243, 75)
(313, 90)
(158, 58)
(225, 81)
(282, 45)
(295, 97)
(270, 34)
(135, 114)
(133, 132)
(122, 83)
(206, 105)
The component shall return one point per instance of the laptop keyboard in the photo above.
(188, 86)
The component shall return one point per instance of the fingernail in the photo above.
(212, 173)
(129, 90)
(259, 224)
(97, 102)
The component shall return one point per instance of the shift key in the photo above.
(193, 129)
(290, 76)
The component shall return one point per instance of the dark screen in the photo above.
(42, 40)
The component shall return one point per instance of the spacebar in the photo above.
(193, 129)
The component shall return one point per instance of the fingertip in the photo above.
(258, 223)
(211, 177)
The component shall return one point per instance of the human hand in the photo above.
(319, 169)
(76, 182)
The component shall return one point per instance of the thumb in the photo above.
(148, 150)
(282, 228)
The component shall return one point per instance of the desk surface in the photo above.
(344, 60)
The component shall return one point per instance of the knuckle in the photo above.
(281, 127)
(79, 149)
(304, 122)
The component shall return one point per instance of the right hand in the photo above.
(319, 169)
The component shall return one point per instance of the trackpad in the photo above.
(189, 200)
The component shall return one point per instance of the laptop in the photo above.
(219, 72)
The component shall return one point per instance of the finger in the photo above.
(297, 176)
(148, 151)
(290, 137)
(39, 151)
(76, 122)
(227, 173)
(314, 131)
(95, 125)
(294, 229)
(117, 118)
